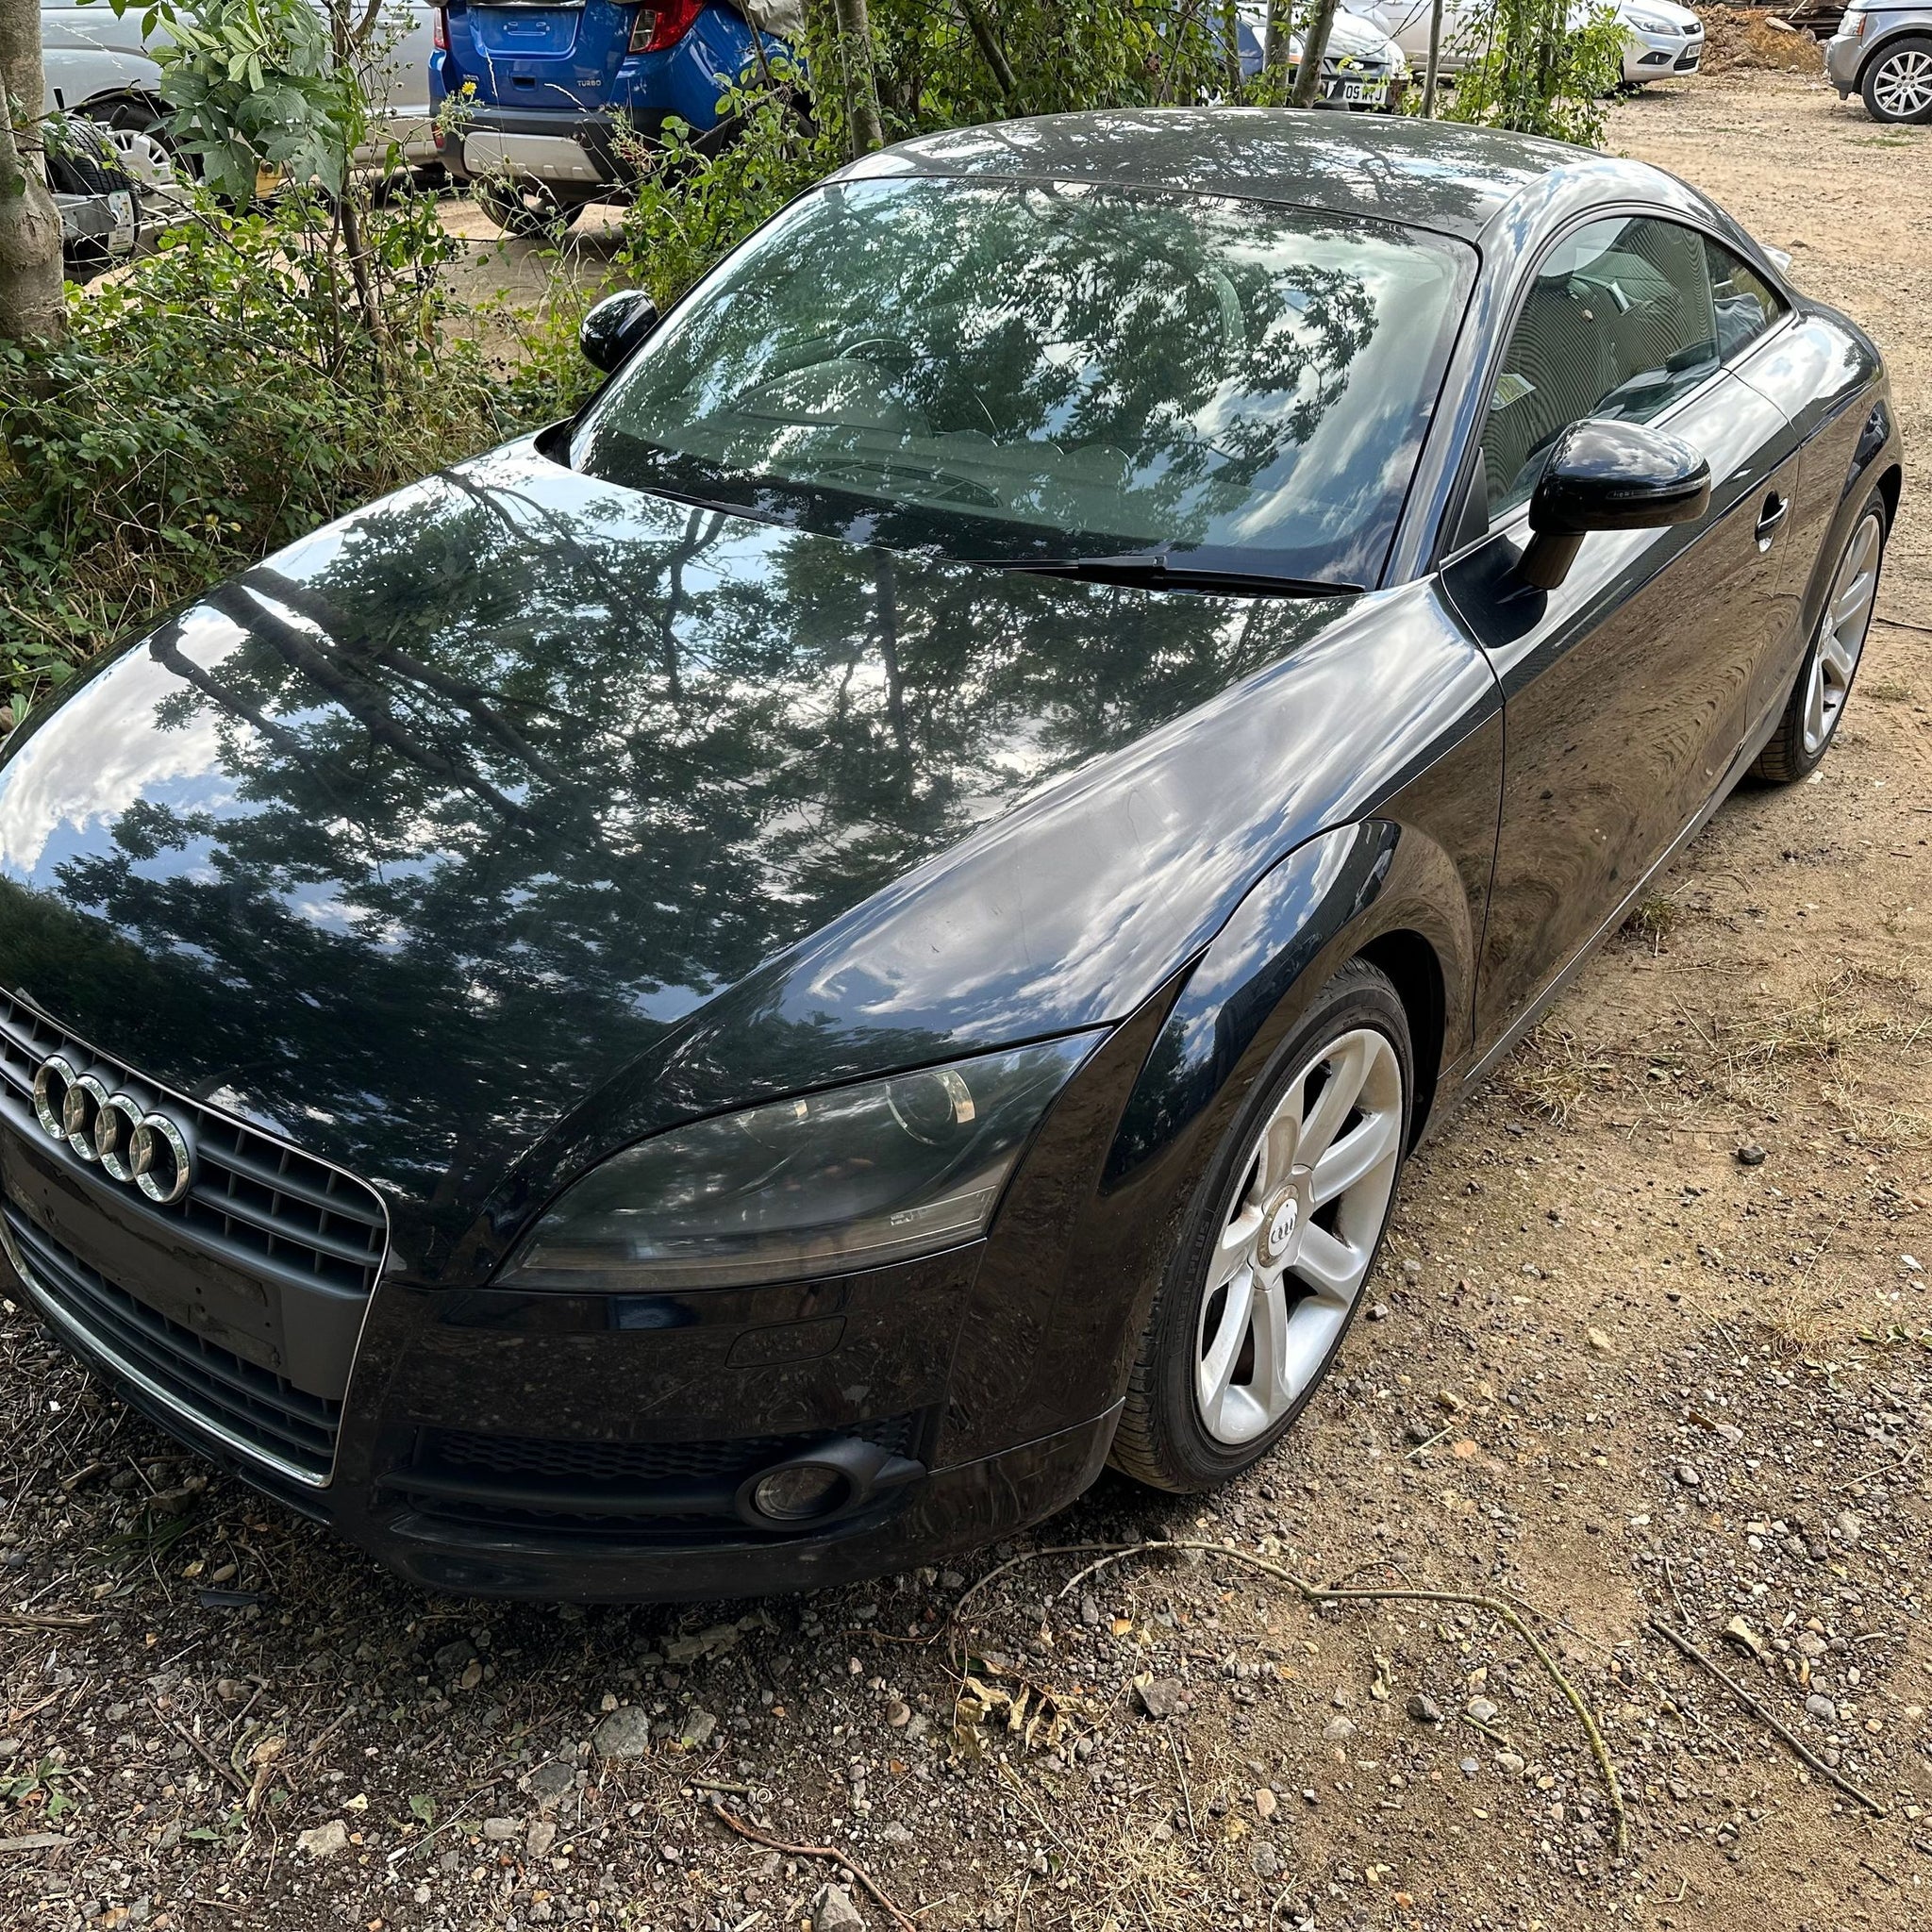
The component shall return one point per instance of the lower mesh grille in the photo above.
(238, 1398)
(681, 1492)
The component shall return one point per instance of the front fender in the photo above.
(1326, 902)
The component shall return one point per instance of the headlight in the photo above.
(820, 1185)
(1650, 24)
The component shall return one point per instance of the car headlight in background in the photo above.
(1650, 24)
(823, 1184)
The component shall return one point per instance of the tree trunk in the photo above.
(32, 309)
(1435, 68)
(863, 131)
(1275, 48)
(1308, 79)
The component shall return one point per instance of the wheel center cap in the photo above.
(1281, 1229)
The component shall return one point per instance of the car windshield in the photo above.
(1046, 370)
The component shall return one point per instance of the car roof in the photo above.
(1441, 175)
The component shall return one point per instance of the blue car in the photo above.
(542, 91)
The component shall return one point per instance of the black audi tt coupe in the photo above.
(745, 990)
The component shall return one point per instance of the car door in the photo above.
(1625, 689)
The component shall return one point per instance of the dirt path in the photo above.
(1615, 1370)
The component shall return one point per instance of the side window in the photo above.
(1620, 322)
(1746, 304)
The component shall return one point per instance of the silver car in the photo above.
(1883, 51)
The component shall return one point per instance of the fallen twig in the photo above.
(1314, 1594)
(1758, 1710)
(30, 1620)
(226, 1771)
(733, 1823)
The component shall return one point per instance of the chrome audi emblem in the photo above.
(129, 1139)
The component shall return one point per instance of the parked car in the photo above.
(98, 63)
(1884, 53)
(1662, 40)
(544, 92)
(740, 992)
(1361, 67)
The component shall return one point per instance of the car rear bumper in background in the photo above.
(571, 151)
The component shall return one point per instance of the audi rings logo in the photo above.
(129, 1139)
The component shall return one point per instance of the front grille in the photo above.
(630, 1493)
(190, 1372)
(256, 1201)
(272, 1249)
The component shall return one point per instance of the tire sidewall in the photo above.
(1358, 996)
(1805, 762)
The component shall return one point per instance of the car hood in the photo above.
(519, 808)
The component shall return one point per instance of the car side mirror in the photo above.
(1606, 476)
(613, 327)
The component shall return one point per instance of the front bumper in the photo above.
(600, 1448)
(1659, 56)
(1845, 56)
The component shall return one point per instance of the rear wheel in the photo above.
(1897, 84)
(1277, 1243)
(526, 210)
(1823, 681)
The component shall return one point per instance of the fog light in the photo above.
(799, 1491)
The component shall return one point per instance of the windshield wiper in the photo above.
(1156, 569)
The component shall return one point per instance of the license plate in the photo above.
(1366, 94)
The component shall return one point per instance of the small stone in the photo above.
(1482, 1709)
(1599, 1340)
(1090, 1614)
(1468, 1766)
(1911, 1264)
(898, 1713)
(697, 1730)
(1377, 1311)
(1750, 1155)
(1266, 1803)
(1266, 1860)
(833, 1912)
(1159, 1696)
(1338, 1730)
(499, 1831)
(1687, 1474)
(1821, 1707)
(1509, 1764)
(624, 1734)
(550, 1784)
(448, 1660)
(1423, 1708)
(326, 1840)
(1741, 1636)
(542, 1835)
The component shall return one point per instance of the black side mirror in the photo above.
(613, 327)
(1606, 475)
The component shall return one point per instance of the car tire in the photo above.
(1897, 81)
(1253, 1309)
(1824, 684)
(525, 210)
(147, 151)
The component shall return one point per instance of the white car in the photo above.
(1660, 38)
(1362, 67)
(98, 64)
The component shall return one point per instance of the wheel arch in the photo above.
(1415, 968)
(1915, 29)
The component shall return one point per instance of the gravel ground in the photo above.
(1651, 1349)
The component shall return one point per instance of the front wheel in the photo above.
(1824, 682)
(1276, 1245)
(1897, 86)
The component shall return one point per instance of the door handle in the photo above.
(1776, 509)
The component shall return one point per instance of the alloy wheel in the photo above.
(1842, 632)
(1902, 85)
(1291, 1255)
